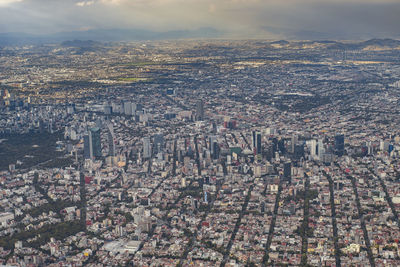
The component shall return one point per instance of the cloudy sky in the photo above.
(352, 19)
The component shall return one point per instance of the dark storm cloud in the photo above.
(350, 19)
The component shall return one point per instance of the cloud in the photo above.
(241, 18)
(85, 3)
(8, 2)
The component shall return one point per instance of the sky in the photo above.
(345, 19)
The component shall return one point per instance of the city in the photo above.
(200, 153)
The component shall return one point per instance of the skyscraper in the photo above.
(256, 142)
(200, 110)
(212, 141)
(295, 139)
(127, 108)
(111, 140)
(92, 144)
(287, 171)
(87, 146)
(146, 148)
(96, 141)
(339, 145)
(314, 150)
(158, 143)
(216, 150)
(321, 149)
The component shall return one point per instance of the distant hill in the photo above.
(382, 43)
(106, 35)
(280, 42)
(336, 45)
(80, 43)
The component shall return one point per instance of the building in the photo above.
(214, 147)
(314, 149)
(158, 143)
(111, 140)
(216, 150)
(256, 142)
(5, 218)
(200, 110)
(128, 109)
(87, 147)
(146, 148)
(96, 141)
(92, 144)
(321, 149)
(295, 139)
(339, 145)
(287, 171)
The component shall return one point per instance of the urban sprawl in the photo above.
(200, 153)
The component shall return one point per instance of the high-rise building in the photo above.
(281, 146)
(321, 149)
(158, 143)
(200, 110)
(314, 149)
(111, 140)
(146, 148)
(214, 147)
(256, 142)
(339, 145)
(216, 150)
(92, 144)
(96, 141)
(128, 108)
(295, 139)
(87, 146)
(287, 171)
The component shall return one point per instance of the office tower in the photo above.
(295, 139)
(87, 147)
(216, 150)
(321, 149)
(211, 141)
(199, 110)
(253, 139)
(158, 143)
(146, 148)
(281, 145)
(95, 141)
(92, 144)
(299, 151)
(214, 147)
(111, 140)
(256, 142)
(313, 151)
(287, 171)
(127, 108)
(339, 145)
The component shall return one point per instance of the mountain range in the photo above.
(106, 35)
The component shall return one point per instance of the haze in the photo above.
(292, 19)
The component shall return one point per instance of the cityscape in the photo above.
(200, 153)
(224, 133)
